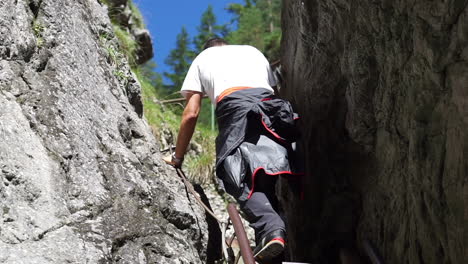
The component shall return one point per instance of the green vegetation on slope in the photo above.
(163, 119)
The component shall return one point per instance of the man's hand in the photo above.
(173, 161)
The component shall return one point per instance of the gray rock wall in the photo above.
(81, 179)
(382, 87)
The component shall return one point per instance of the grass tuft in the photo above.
(201, 165)
(38, 30)
(137, 16)
(128, 45)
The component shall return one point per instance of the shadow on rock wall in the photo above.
(382, 91)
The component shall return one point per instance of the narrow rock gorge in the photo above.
(382, 88)
(81, 176)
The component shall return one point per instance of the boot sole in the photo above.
(270, 250)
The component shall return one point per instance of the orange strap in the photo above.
(230, 91)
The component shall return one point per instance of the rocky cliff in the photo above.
(382, 87)
(81, 179)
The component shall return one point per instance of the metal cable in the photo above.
(195, 194)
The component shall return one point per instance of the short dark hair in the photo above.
(214, 42)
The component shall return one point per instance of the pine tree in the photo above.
(148, 71)
(237, 9)
(250, 28)
(179, 60)
(271, 11)
(208, 29)
(258, 25)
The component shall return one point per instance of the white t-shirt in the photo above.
(222, 67)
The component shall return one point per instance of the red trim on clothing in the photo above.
(272, 132)
(271, 174)
(266, 99)
(296, 118)
(280, 239)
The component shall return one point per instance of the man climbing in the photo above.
(256, 130)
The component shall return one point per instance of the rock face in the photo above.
(382, 87)
(81, 179)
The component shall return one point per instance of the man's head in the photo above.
(214, 42)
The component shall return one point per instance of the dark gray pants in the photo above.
(261, 209)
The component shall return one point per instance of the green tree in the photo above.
(148, 71)
(258, 24)
(179, 60)
(208, 29)
(250, 28)
(271, 10)
(237, 9)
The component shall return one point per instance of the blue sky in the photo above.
(165, 18)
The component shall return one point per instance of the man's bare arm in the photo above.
(187, 125)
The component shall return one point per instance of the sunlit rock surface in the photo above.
(382, 87)
(81, 179)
